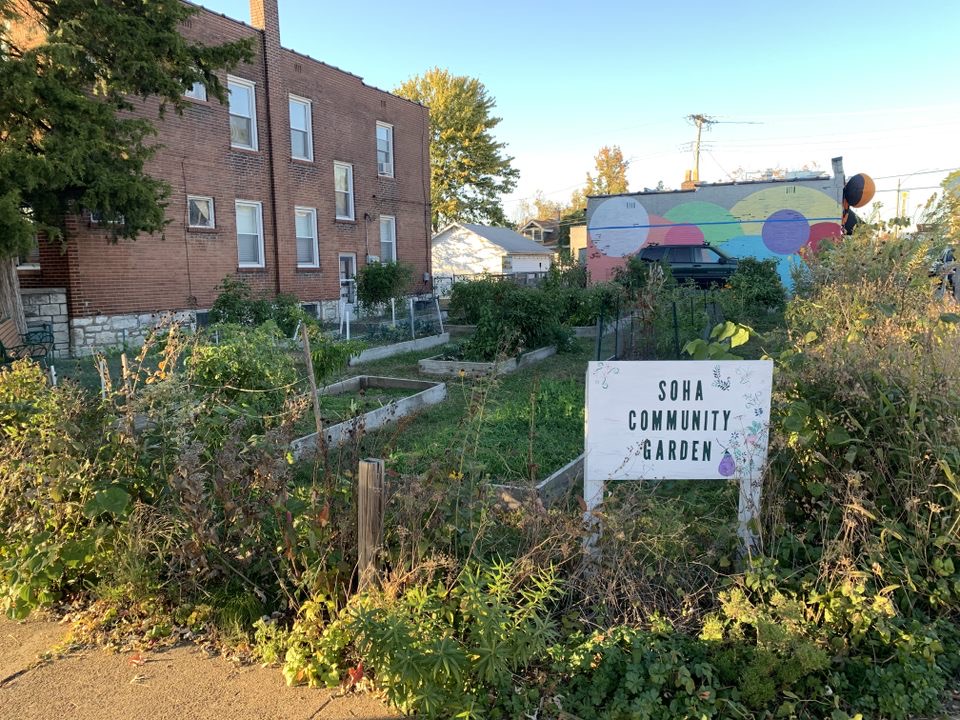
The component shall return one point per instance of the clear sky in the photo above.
(876, 83)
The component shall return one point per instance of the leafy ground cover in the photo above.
(174, 506)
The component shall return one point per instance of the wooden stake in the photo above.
(370, 496)
(321, 444)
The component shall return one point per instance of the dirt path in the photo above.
(179, 684)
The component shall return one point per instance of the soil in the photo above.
(176, 684)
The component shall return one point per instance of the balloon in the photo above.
(859, 190)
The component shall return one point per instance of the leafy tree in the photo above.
(468, 168)
(610, 177)
(69, 74)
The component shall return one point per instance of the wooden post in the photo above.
(321, 445)
(370, 497)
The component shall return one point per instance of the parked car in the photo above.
(704, 264)
(946, 268)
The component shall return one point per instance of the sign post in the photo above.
(688, 420)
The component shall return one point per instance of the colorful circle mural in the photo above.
(716, 223)
(619, 226)
(785, 231)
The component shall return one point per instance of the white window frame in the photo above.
(197, 92)
(389, 128)
(392, 222)
(308, 104)
(213, 216)
(259, 211)
(350, 194)
(312, 212)
(251, 108)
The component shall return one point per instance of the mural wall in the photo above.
(760, 219)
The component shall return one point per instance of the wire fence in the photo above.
(401, 319)
(443, 284)
(634, 331)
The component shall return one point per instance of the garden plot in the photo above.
(439, 365)
(379, 352)
(345, 404)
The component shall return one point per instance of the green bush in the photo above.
(237, 305)
(378, 283)
(251, 366)
(755, 294)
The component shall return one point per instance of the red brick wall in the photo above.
(180, 268)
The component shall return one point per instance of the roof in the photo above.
(509, 240)
(548, 225)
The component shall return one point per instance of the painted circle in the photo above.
(685, 235)
(659, 227)
(715, 222)
(785, 231)
(619, 226)
(822, 231)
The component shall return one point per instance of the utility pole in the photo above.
(699, 120)
(706, 121)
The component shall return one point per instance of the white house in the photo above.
(468, 249)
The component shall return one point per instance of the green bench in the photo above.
(34, 344)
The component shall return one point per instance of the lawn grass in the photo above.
(484, 427)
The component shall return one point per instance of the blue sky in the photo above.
(873, 82)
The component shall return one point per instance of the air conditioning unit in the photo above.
(373, 258)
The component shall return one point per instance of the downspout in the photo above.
(273, 170)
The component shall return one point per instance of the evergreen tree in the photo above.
(69, 73)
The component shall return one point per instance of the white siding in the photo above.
(457, 251)
(531, 263)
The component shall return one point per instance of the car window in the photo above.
(679, 255)
(706, 255)
(652, 253)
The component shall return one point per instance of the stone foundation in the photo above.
(102, 332)
(47, 307)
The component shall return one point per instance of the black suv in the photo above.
(704, 264)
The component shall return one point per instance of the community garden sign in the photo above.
(696, 420)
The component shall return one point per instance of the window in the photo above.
(343, 184)
(388, 238)
(249, 234)
(243, 113)
(30, 261)
(384, 149)
(307, 255)
(197, 92)
(536, 234)
(506, 263)
(301, 131)
(200, 212)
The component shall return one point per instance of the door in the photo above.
(348, 273)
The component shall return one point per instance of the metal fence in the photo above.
(399, 320)
(443, 284)
(632, 331)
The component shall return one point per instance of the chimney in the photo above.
(265, 15)
(688, 183)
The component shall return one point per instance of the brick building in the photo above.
(307, 174)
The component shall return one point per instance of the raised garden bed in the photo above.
(423, 394)
(548, 491)
(436, 365)
(380, 352)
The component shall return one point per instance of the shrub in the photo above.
(237, 305)
(756, 295)
(378, 283)
(251, 366)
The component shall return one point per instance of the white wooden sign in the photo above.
(676, 420)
